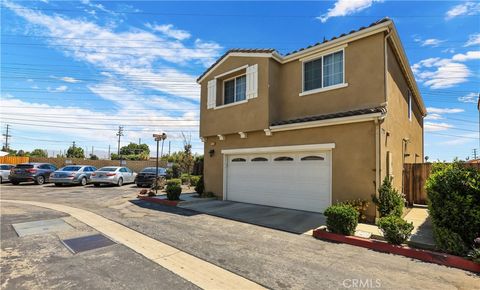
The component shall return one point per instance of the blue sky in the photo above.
(75, 71)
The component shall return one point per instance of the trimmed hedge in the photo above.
(395, 229)
(342, 219)
(173, 191)
(172, 181)
(389, 200)
(199, 186)
(454, 206)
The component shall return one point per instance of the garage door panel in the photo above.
(299, 184)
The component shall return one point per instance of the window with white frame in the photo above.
(234, 89)
(409, 105)
(324, 71)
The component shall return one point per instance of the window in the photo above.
(312, 158)
(235, 90)
(323, 72)
(283, 158)
(256, 159)
(123, 169)
(409, 105)
(239, 160)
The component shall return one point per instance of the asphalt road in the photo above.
(272, 258)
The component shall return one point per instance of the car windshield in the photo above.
(71, 168)
(152, 170)
(24, 166)
(108, 169)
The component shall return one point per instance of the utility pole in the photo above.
(6, 137)
(108, 157)
(139, 141)
(474, 154)
(169, 148)
(92, 150)
(73, 145)
(119, 134)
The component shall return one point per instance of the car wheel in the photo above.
(139, 185)
(39, 180)
(120, 182)
(15, 182)
(1, 180)
(83, 181)
(58, 184)
(96, 184)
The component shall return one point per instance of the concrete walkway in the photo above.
(201, 273)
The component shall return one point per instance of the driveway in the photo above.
(289, 220)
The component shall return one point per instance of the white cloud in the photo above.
(433, 116)
(432, 42)
(440, 73)
(67, 79)
(59, 89)
(469, 98)
(346, 7)
(467, 8)
(168, 30)
(129, 54)
(473, 39)
(470, 55)
(433, 110)
(433, 127)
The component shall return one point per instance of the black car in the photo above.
(39, 173)
(146, 177)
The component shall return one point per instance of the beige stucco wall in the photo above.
(353, 159)
(397, 126)
(364, 74)
(246, 117)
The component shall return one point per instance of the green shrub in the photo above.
(389, 200)
(173, 191)
(194, 179)
(395, 229)
(172, 181)
(173, 172)
(341, 219)
(185, 178)
(454, 206)
(199, 186)
(361, 206)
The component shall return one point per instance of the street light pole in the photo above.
(158, 137)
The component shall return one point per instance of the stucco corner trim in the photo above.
(327, 122)
(278, 149)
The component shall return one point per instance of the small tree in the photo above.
(389, 200)
(39, 153)
(75, 152)
(93, 157)
(186, 158)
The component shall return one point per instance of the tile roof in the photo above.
(271, 50)
(381, 109)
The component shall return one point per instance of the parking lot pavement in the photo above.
(41, 261)
(273, 258)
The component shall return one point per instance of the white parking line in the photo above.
(199, 272)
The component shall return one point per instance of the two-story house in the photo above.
(319, 125)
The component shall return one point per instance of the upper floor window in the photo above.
(234, 90)
(324, 71)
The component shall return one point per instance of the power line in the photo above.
(97, 107)
(449, 135)
(106, 124)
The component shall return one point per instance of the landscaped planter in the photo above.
(424, 255)
(159, 200)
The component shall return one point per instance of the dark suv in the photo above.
(146, 177)
(39, 173)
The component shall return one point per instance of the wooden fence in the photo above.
(414, 178)
(13, 159)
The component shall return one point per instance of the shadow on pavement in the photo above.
(164, 208)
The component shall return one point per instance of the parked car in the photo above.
(113, 175)
(146, 177)
(39, 173)
(72, 174)
(5, 172)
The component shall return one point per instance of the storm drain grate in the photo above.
(82, 244)
(41, 227)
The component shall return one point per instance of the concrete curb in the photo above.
(423, 255)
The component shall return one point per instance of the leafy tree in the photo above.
(93, 157)
(133, 151)
(75, 152)
(186, 158)
(38, 153)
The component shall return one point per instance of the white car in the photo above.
(113, 175)
(5, 171)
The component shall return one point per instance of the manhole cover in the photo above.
(82, 244)
(41, 227)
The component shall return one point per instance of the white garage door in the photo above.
(300, 180)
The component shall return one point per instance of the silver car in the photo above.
(5, 171)
(72, 174)
(113, 175)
